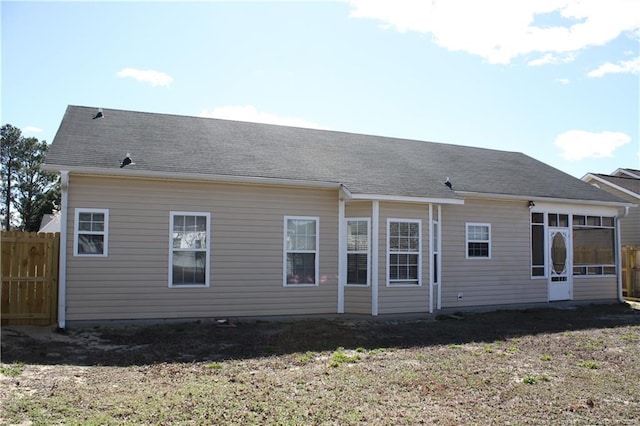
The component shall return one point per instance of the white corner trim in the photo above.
(375, 250)
(62, 261)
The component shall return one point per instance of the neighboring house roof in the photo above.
(627, 172)
(50, 223)
(192, 147)
(627, 185)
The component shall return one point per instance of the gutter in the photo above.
(536, 198)
(62, 267)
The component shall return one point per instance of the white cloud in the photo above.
(631, 67)
(31, 129)
(155, 78)
(562, 80)
(579, 144)
(501, 30)
(250, 113)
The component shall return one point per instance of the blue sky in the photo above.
(555, 79)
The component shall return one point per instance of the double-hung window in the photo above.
(301, 246)
(358, 252)
(91, 232)
(189, 249)
(478, 241)
(404, 252)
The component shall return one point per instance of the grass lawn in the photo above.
(541, 366)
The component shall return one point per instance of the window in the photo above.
(537, 245)
(358, 252)
(301, 250)
(593, 245)
(189, 249)
(478, 240)
(91, 232)
(404, 252)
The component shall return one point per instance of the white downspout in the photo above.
(439, 250)
(618, 254)
(431, 265)
(62, 268)
(342, 254)
(375, 231)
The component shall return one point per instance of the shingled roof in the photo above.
(167, 145)
(628, 183)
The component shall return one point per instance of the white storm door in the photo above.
(560, 265)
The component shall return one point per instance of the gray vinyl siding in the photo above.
(595, 288)
(400, 299)
(503, 279)
(630, 224)
(357, 300)
(247, 231)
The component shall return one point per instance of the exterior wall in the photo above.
(247, 231)
(503, 279)
(399, 299)
(595, 288)
(629, 225)
(357, 299)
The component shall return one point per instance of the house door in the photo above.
(560, 265)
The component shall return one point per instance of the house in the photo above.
(218, 218)
(624, 184)
(50, 222)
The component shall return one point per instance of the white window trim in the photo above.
(207, 215)
(367, 251)
(316, 252)
(544, 247)
(105, 232)
(467, 241)
(419, 253)
(585, 226)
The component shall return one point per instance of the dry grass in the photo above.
(520, 367)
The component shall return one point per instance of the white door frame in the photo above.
(560, 281)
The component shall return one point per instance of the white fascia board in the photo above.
(619, 172)
(145, 174)
(405, 199)
(537, 199)
(612, 185)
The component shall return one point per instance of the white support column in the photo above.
(342, 254)
(375, 226)
(62, 266)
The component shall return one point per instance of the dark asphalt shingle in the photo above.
(364, 164)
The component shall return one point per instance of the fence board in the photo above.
(29, 271)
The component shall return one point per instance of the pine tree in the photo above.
(25, 186)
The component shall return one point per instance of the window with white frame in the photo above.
(301, 250)
(478, 241)
(404, 251)
(91, 232)
(538, 258)
(593, 245)
(358, 252)
(189, 249)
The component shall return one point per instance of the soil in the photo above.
(218, 340)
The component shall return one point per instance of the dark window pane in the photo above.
(189, 267)
(357, 269)
(90, 244)
(301, 268)
(537, 218)
(478, 250)
(537, 245)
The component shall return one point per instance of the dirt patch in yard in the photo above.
(533, 366)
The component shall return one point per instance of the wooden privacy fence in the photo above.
(29, 263)
(631, 272)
